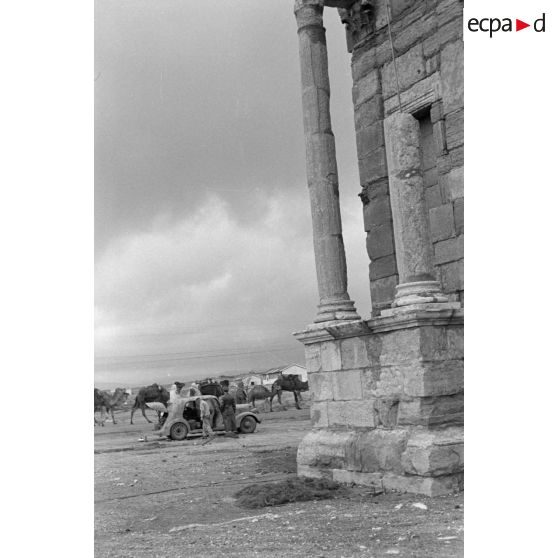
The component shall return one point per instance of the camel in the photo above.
(149, 394)
(259, 392)
(290, 382)
(104, 401)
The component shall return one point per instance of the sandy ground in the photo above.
(176, 499)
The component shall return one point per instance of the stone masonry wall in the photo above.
(387, 405)
(427, 39)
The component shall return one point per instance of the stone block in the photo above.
(452, 31)
(370, 379)
(400, 346)
(364, 63)
(358, 413)
(451, 276)
(377, 212)
(320, 385)
(312, 352)
(354, 353)
(451, 69)
(441, 342)
(383, 290)
(457, 157)
(458, 215)
(381, 450)
(448, 10)
(434, 461)
(407, 36)
(330, 356)
(370, 139)
(452, 184)
(433, 197)
(419, 96)
(381, 15)
(442, 225)
(347, 385)
(434, 452)
(410, 69)
(366, 87)
(429, 379)
(377, 189)
(433, 64)
(380, 241)
(443, 163)
(373, 166)
(388, 386)
(439, 133)
(383, 267)
(374, 349)
(318, 414)
(436, 111)
(399, 6)
(369, 112)
(449, 250)
(431, 411)
(427, 486)
(386, 412)
(324, 449)
(454, 129)
(430, 177)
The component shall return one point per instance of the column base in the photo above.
(403, 460)
(387, 400)
(418, 292)
(336, 310)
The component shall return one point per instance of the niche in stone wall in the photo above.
(429, 154)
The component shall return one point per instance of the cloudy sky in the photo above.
(203, 256)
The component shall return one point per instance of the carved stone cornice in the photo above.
(359, 21)
(329, 331)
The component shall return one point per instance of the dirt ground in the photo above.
(176, 499)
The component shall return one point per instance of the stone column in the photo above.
(413, 247)
(321, 166)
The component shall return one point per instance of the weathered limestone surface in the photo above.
(412, 241)
(387, 402)
(387, 394)
(321, 166)
(428, 45)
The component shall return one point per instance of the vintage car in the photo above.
(183, 418)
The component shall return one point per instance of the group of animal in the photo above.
(105, 401)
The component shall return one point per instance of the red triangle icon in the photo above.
(519, 25)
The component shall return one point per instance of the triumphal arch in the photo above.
(387, 389)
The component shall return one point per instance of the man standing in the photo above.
(205, 415)
(228, 410)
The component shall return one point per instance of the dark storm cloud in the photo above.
(204, 257)
(193, 99)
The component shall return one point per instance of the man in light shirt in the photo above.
(205, 415)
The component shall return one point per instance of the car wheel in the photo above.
(247, 425)
(178, 431)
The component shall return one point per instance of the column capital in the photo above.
(309, 13)
(300, 4)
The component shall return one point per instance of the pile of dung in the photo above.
(290, 490)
